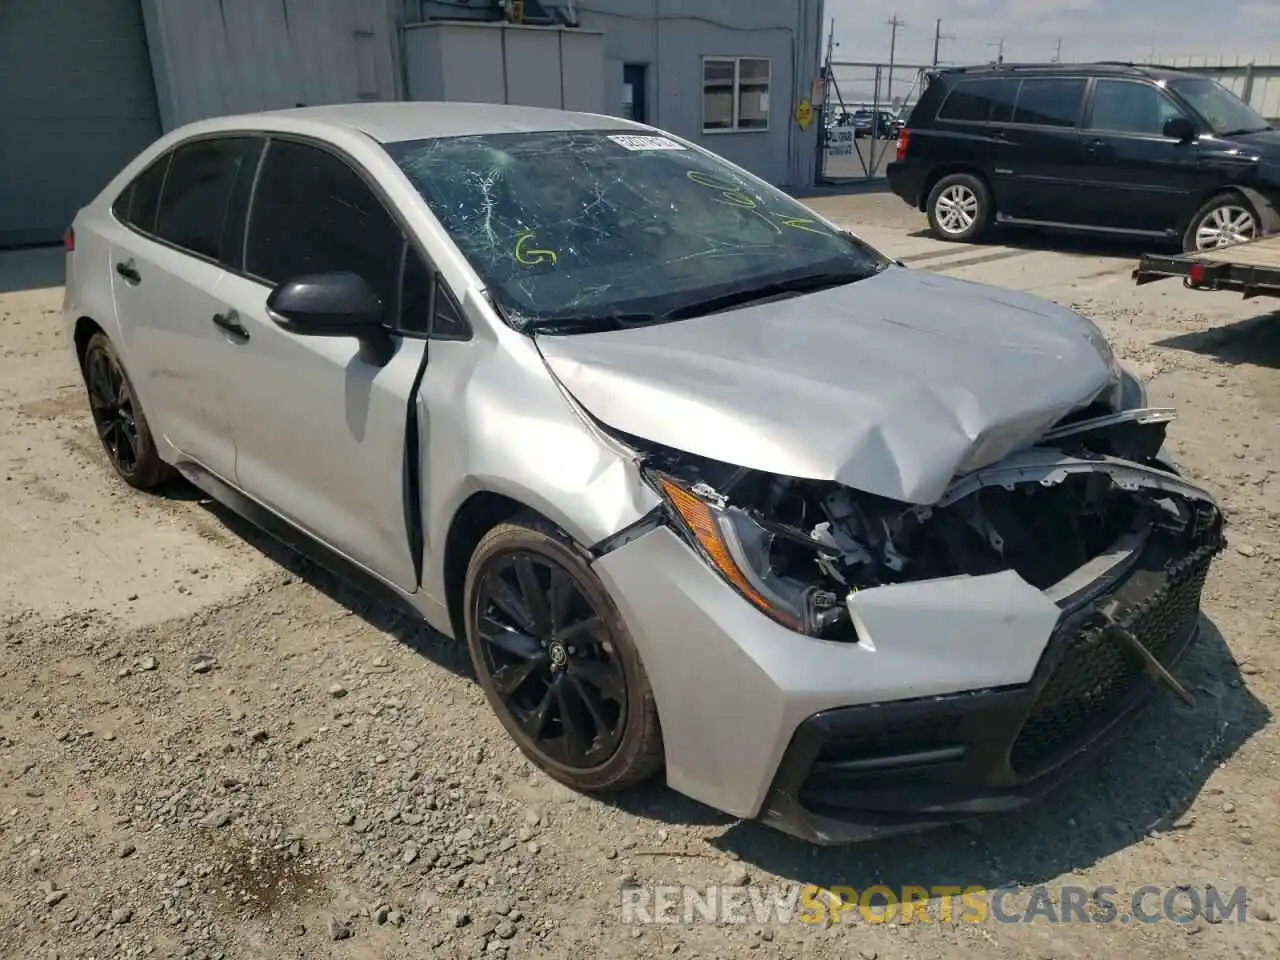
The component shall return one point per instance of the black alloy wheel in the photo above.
(555, 659)
(121, 425)
(550, 660)
(112, 403)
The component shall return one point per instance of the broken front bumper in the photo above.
(964, 696)
(868, 771)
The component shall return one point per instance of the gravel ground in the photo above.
(210, 749)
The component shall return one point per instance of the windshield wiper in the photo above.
(1244, 130)
(600, 323)
(740, 298)
(587, 323)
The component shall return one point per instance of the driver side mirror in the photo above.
(1180, 129)
(333, 305)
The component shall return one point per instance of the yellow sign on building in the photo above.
(804, 114)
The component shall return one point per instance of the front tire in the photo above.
(1224, 221)
(959, 208)
(555, 660)
(117, 414)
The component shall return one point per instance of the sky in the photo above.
(1089, 29)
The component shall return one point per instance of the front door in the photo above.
(1038, 155)
(320, 430)
(1136, 178)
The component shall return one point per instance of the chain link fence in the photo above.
(865, 106)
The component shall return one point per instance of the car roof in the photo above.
(421, 120)
(1098, 68)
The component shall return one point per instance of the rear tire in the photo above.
(117, 415)
(959, 208)
(1224, 221)
(555, 660)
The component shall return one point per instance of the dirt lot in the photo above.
(210, 749)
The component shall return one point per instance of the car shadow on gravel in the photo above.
(1255, 341)
(379, 614)
(1144, 785)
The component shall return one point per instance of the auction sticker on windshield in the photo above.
(640, 142)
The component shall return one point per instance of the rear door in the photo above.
(320, 430)
(1136, 178)
(164, 269)
(1041, 157)
(969, 130)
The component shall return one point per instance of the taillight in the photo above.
(904, 138)
(69, 240)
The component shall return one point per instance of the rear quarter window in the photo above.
(139, 202)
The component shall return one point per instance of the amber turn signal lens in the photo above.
(701, 522)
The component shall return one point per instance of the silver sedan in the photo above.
(708, 486)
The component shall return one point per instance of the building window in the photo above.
(735, 94)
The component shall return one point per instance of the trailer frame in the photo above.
(1243, 268)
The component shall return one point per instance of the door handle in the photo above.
(127, 270)
(230, 322)
(1093, 143)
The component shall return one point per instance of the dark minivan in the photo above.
(1102, 147)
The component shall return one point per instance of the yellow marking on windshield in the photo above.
(531, 258)
(733, 195)
(801, 223)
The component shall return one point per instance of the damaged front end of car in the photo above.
(1093, 518)
(801, 550)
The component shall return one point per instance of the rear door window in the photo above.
(1050, 101)
(197, 194)
(975, 101)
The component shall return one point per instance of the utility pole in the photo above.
(1000, 53)
(1057, 56)
(894, 24)
(826, 68)
(937, 39)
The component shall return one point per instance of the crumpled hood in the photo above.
(892, 385)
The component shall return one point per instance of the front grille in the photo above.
(1096, 674)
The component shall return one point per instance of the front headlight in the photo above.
(738, 548)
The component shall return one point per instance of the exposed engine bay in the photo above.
(798, 548)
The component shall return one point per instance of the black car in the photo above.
(887, 128)
(1111, 148)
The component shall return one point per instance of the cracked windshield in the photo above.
(584, 230)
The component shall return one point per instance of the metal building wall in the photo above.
(1255, 79)
(215, 57)
(478, 62)
(76, 104)
(670, 37)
